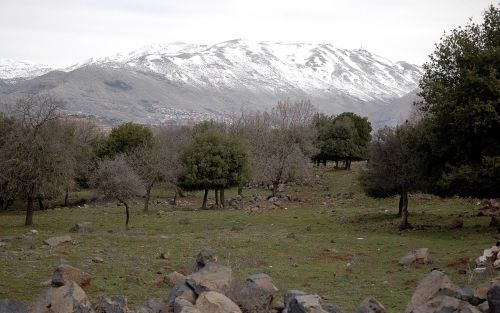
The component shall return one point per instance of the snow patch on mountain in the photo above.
(14, 69)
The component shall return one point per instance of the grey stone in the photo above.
(82, 227)
(494, 298)
(371, 305)
(181, 290)
(69, 298)
(55, 241)
(12, 306)
(114, 304)
(212, 277)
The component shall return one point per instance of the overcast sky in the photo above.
(63, 32)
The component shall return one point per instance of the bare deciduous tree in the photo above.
(115, 179)
(34, 158)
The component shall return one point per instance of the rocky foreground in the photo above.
(211, 288)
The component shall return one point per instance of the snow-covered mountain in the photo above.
(180, 80)
(12, 69)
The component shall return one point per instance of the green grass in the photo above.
(326, 239)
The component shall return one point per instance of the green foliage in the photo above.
(461, 89)
(124, 139)
(213, 160)
(345, 136)
(392, 165)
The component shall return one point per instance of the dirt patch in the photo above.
(458, 263)
(330, 256)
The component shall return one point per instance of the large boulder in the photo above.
(214, 302)
(114, 304)
(431, 286)
(174, 278)
(251, 297)
(444, 304)
(204, 257)
(299, 302)
(181, 290)
(264, 281)
(212, 277)
(370, 305)
(55, 241)
(12, 306)
(153, 306)
(65, 274)
(83, 227)
(494, 298)
(69, 298)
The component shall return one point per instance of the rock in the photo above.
(114, 304)
(214, 302)
(264, 281)
(55, 241)
(481, 261)
(97, 259)
(83, 227)
(290, 295)
(456, 223)
(421, 256)
(496, 264)
(481, 291)
(182, 305)
(480, 270)
(12, 306)
(305, 304)
(443, 303)
(251, 297)
(152, 306)
(493, 297)
(434, 284)
(165, 255)
(34, 232)
(370, 305)
(69, 298)
(212, 277)
(181, 290)
(490, 254)
(484, 307)
(175, 278)
(409, 259)
(65, 274)
(465, 293)
(185, 221)
(205, 256)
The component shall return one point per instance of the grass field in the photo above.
(306, 246)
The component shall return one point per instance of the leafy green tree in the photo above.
(125, 139)
(460, 147)
(213, 161)
(392, 168)
(344, 137)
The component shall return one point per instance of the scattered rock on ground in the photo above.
(175, 278)
(263, 281)
(12, 306)
(420, 256)
(212, 277)
(215, 302)
(69, 298)
(83, 227)
(55, 241)
(97, 259)
(185, 221)
(65, 274)
(113, 304)
(370, 305)
(434, 284)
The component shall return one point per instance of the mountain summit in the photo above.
(191, 81)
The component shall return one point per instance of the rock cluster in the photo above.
(259, 203)
(417, 256)
(212, 288)
(490, 258)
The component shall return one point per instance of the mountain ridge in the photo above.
(200, 81)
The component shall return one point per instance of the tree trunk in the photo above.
(174, 202)
(275, 188)
(40, 204)
(205, 196)
(127, 213)
(404, 214)
(240, 191)
(216, 197)
(336, 163)
(324, 162)
(401, 204)
(148, 195)
(29, 212)
(181, 194)
(222, 197)
(66, 197)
